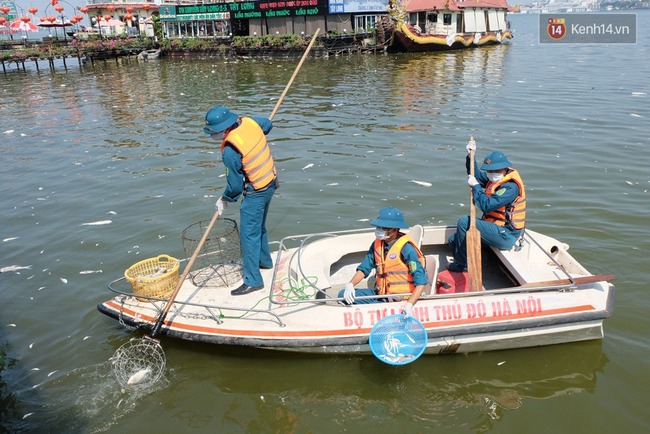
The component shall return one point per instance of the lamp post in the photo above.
(60, 10)
(98, 20)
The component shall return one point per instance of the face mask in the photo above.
(495, 177)
(381, 234)
(218, 136)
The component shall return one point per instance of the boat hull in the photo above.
(532, 334)
(406, 40)
(310, 319)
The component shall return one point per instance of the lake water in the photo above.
(105, 165)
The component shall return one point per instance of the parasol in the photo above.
(19, 25)
(57, 23)
(111, 23)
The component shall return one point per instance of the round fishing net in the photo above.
(398, 339)
(139, 363)
(219, 263)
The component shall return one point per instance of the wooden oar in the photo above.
(473, 239)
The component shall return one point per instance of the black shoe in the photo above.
(245, 289)
(265, 268)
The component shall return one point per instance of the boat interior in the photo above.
(315, 267)
(327, 261)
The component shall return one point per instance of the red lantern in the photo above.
(2, 20)
(5, 9)
(84, 9)
(79, 18)
(107, 17)
(59, 9)
(51, 19)
(110, 8)
(32, 10)
(129, 9)
(25, 19)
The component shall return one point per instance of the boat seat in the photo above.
(431, 268)
(417, 233)
(520, 263)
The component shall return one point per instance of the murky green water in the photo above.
(105, 165)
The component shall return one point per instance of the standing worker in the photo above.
(250, 172)
(499, 192)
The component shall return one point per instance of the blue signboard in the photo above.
(357, 6)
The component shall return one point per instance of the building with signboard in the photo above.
(264, 17)
(210, 19)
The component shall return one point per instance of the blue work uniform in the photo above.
(501, 237)
(408, 255)
(253, 211)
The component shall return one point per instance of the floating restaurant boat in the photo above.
(535, 294)
(435, 25)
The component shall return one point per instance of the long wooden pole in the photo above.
(582, 280)
(302, 59)
(190, 263)
(473, 239)
(188, 267)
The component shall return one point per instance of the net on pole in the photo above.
(219, 262)
(139, 363)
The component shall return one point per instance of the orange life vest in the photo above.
(514, 213)
(393, 274)
(249, 139)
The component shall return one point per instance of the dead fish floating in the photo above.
(139, 376)
(15, 268)
(97, 223)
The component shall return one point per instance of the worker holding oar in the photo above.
(499, 192)
(250, 172)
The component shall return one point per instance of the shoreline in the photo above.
(109, 49)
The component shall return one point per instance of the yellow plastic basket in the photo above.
(154, 277)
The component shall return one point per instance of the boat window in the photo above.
(365, 22)
(422, 17)
(432, 18)
(446, 19)
(413, 18)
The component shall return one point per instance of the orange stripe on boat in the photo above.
(341, 332)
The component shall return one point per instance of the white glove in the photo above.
(471, 146)
(407, 309)
(471, 180)
(349, 293)
(221, 205)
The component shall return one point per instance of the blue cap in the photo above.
(218, 119)
(390, 217)
(495, 160)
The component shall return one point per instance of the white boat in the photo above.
(535, 294)
(149, 54)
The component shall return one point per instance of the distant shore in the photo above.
(21, 51)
